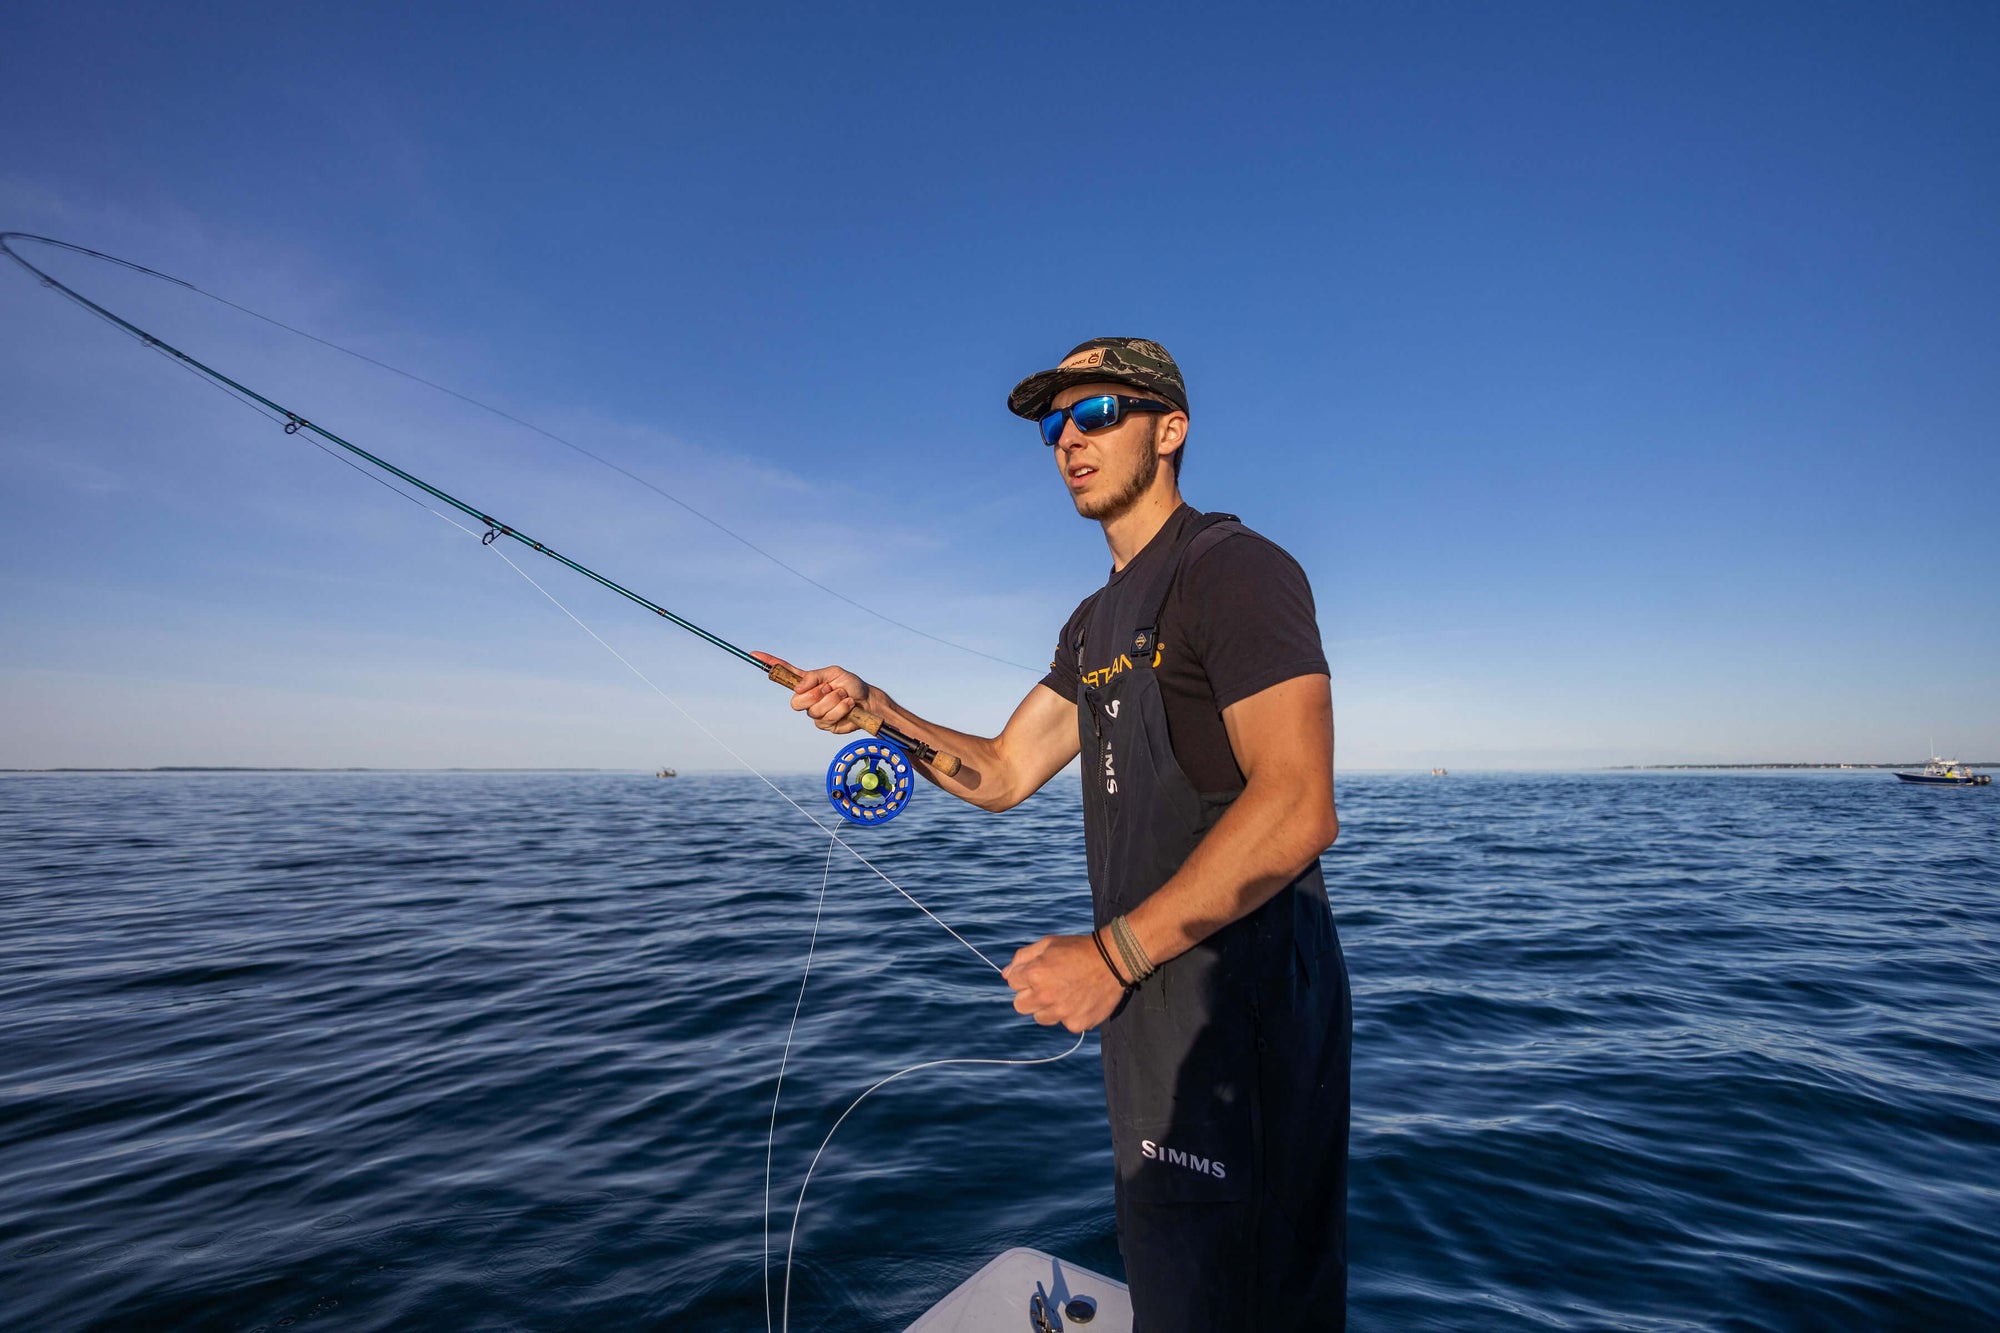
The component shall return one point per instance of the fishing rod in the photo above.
(546, 434)
(868, 781)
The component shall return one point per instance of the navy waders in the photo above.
(1226, 1073)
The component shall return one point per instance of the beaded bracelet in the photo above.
(1105, 954)
(1131, 950)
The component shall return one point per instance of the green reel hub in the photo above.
(870, 781)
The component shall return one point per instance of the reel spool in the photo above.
(869, 782)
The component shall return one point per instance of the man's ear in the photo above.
(1169, 434)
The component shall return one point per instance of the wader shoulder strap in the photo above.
(1201, 534)
(1082, 623)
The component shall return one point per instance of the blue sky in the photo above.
(1623, 376)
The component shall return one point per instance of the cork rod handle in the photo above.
(945, 764)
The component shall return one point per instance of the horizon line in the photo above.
(573, 768)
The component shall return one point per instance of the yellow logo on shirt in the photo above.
(1119, 665)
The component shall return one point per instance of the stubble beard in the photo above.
(1106, 507)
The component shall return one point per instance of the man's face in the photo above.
(1108, 470)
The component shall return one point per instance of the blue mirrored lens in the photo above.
(1052, 427)
(1094, 413)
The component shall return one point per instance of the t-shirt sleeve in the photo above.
(1062, 666)
(1250, 618)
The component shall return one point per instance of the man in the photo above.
(1194, 685)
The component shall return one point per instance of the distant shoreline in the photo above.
(294, 768)
(1648, 768)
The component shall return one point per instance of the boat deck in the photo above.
(1002, 1298)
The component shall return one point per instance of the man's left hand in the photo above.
(1062, 979)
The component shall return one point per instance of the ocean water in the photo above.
(496, 1051)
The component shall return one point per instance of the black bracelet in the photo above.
(1105, 954)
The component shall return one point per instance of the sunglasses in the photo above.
(1093, 414)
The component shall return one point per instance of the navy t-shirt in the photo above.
(1238, 620)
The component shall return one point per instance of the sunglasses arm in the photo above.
(875, 726)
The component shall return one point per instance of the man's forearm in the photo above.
(996, 773)
(1272, 832)
(981, 777)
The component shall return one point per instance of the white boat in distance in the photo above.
(1947, 773)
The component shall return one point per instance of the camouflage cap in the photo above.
(1134, 361)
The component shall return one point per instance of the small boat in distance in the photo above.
(1438, 773)
(666, 773)
(1947, 773)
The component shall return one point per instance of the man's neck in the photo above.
(1128, 531)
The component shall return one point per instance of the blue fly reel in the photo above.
(869, 781)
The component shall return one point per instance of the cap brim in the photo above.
(1034, 396)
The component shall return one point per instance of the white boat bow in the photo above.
(1023, 1285)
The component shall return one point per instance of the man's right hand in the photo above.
(825, 694)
